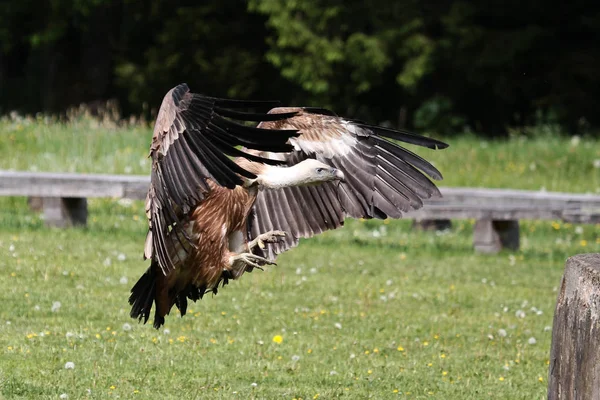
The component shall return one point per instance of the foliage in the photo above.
(496, 63)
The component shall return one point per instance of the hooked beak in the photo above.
(339, 175)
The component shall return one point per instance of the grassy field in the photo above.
(371, 310)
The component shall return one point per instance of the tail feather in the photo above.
(142, 295)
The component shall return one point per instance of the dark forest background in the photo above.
(484, 65)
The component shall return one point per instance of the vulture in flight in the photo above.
(226, 197)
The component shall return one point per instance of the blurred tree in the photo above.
(431, 64)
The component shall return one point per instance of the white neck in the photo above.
(275, 177)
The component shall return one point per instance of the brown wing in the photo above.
(193, 137)
(382, 179)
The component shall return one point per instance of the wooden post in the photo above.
(574, 371)
(492, 236)
(65, 211)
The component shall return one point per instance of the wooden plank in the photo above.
(574, 371)
(457, 203)
(73, 185)
(489, 212)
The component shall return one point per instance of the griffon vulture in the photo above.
(300, 172)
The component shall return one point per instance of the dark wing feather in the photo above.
(382, 178)
(192, 143)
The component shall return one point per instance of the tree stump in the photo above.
(492, 236)
(65, 211)
(574, 371)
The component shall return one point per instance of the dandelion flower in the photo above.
(63, 396)
(126, 327)
(501, 332)
(295, 358)
(254, 384)
(532, 340)
(69, 365)
(123, 280)
(278, 339)
(55, 306)
(338, 325)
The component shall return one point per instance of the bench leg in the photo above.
(432, 224)
(492, 236)
(65, 211)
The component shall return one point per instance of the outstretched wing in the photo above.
(193, 137)
(382, 179)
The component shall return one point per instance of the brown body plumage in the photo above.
(212, 218)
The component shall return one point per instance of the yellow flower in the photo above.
(583, 243)
(430, 364)
(113, 387)
(445, 373)
(400, 348)
(395, 390)
(309, 351)
(501, 379)
(540, 379)
(369, 372)
(375, 350)
(436, 337)
(426, 343)
(443, 355)
(278, 339)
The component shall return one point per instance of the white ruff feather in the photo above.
(274, 177)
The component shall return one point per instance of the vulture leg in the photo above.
(268, 237)
(249, 259)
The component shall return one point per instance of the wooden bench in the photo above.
(497, 211)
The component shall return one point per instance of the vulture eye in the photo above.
(320, 170)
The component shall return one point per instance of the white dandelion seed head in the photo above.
(107, 262)
(491, 337)
(352, 356)
(126, 327)
(121, 257)
(313, 270)
(69, 335)
(166, 331)
(579, 230)
(298, 271)
(520, 314)
(260, 342)
(547, 328)
(502, 332)
(389, 282)
(532, 340)
(69, 365)
(36, 307)
(333, 372)
(338, 325)
(596, 163)
(55, 306)
(254, 384)
(11, 248)
(63, 396)
(123, 280)
(575, 140)
(539, 312)
(295, 358)
(506, 367)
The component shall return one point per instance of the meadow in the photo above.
(372, 310)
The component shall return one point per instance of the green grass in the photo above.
(373, 309)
